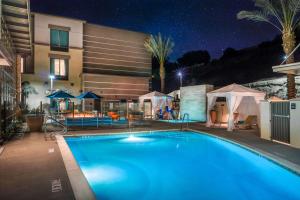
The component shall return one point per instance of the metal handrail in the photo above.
(53, 121)
(187, 122)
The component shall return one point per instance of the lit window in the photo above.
(59, 68)
(22, 65)
(59, 40)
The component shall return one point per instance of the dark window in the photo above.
(26, 65)
(59, 68)
(59, 40)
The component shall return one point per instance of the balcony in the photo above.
(15, 37)
(6, 45)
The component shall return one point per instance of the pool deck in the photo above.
(29, 165)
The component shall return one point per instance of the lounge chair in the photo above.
(249, 122)
(113, 115)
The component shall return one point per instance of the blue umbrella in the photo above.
(60, 95)
(88, 95)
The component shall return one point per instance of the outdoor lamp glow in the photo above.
(52, 77)
(180, 78)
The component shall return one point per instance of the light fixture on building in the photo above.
(52, 77)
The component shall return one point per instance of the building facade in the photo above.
(57, 58)
(81, 57)
(15, 49)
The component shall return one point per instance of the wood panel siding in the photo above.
(117, 69)
(115, 52)
(112, 87)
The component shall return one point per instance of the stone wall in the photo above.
(193, 101)
(274, 87)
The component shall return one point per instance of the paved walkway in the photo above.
(27, 168)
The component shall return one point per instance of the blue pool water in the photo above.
(176, 165)
(177, 121)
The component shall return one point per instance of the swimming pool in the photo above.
(177, 165)
(176, 121)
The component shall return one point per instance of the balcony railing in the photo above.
(6, 38)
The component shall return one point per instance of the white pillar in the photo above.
(294, 123)
(265, 120)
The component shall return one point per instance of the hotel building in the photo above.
(80, 56)
(15, 51)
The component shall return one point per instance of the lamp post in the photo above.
(180, 78)
(52, 77)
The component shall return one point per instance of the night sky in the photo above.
(193, 24)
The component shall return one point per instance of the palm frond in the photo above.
(253, 15)
(283, 14)
(257, 16)
(159, 47)
(294, 5)
(271, 8)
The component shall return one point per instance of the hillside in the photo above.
(235, 66)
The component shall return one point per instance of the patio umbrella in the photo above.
(88, 95)
(60, 95)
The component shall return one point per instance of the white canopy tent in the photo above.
(175, 93)
(238, 98)
(158, 101)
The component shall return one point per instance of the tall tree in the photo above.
(284, 16)
(160, 48)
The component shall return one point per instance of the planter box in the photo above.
(35, 122)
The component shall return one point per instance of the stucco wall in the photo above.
(294, 124)
(42, 31)
(39, 80)
(265, 120)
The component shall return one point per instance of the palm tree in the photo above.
(284, 16)
(27, 89)
(160, 48)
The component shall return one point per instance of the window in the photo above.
(59, 68)
(59, 40)
(26, 65)
(22, 65)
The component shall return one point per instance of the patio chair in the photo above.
(249, 122)
(113, 115)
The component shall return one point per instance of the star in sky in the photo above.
(193, 24)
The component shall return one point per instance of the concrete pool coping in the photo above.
(294, 168)
(82, 189)
(79, 184)
(177, 121)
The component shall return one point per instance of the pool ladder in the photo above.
(187, 116)
(56, 122)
